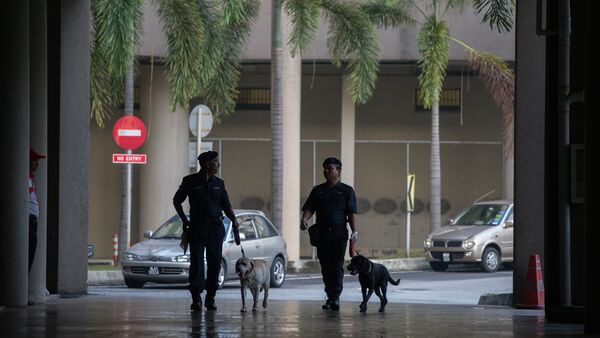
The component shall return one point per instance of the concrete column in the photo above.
(292, 78)
(167, 149)
(14, 137)
(508, 177)
(73, 147)
(348, 125)
(530, 138)
(39, 142)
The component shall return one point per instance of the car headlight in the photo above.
(428, 243)
(181, 258)
(469, 244)
(129, 257)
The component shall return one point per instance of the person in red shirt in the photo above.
(34, 207)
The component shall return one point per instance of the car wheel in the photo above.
(277, 272)
(438, 266)
(490, 260)
(134, 284)
(221, 278)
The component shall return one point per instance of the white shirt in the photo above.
(34, 207)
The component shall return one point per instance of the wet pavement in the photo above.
(101, 316)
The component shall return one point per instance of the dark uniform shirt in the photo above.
(207, 199)
(331, 204)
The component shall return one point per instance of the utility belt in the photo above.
(334, 227)
(214, 221)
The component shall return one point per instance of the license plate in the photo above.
(153, 270)
(446, 257)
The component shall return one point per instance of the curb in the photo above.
(103, 278)
(504, 299)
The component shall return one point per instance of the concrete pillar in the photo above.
(292, 78)
(167, 149)
(39, 142)
(14, 137)
(69, 155)
(508, 177)
(348, 125)
(530, 138)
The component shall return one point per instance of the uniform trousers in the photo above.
(206, 237)
(331, 252)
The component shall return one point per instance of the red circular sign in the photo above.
(129, 132)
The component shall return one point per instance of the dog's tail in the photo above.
(394, 282)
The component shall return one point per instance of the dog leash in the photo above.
(243, 253)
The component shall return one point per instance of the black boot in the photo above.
(209, 303)
(326, 305)
(335, 304)
(196, 300)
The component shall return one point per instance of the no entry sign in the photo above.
(129, 132)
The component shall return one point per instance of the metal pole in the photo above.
(127, 178)
(198, 138)
(408, 212)
(314, 181)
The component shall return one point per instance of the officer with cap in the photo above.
(204, 230)
(335, 205)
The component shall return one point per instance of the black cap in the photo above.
(207, 156)
(332, 160)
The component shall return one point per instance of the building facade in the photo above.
(388, 138)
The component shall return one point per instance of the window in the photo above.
(450, 101)
(253, 99)
(264, 228)
(246, 228)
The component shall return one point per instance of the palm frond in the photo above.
(304, 16)
(220, 91)
(99, 89)
(498, 13)
(185, 36)
(117, 25)
(499, 79)
(352, 37)
(388, 13)
(433, 47)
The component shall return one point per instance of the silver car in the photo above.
(482, 234)
(161, 260)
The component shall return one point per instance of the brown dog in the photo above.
(372, 277)
(254, 275)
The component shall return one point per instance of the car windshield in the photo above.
(172, 228)
(481, 214)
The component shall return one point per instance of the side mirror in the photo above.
(148, 234)
(508, 224)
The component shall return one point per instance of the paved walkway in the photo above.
(100, 316)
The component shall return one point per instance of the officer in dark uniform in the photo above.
(335, 205)
(204, 230)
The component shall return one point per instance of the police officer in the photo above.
(335, 205)
(204, 230)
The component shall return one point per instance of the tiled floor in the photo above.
(107, 317)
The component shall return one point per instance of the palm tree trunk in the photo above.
(435, 185)
(276, 116)
(127, 178)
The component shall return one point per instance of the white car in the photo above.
(160, 259)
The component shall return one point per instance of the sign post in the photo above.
(200, 119)
(129, 133)
(410, 206)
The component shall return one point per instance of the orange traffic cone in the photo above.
(533, 297)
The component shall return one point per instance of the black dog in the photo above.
(372, 277)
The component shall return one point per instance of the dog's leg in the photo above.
(381, 293)
(266, 295)
(363, 305)
(254, 291)
(243, 290)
